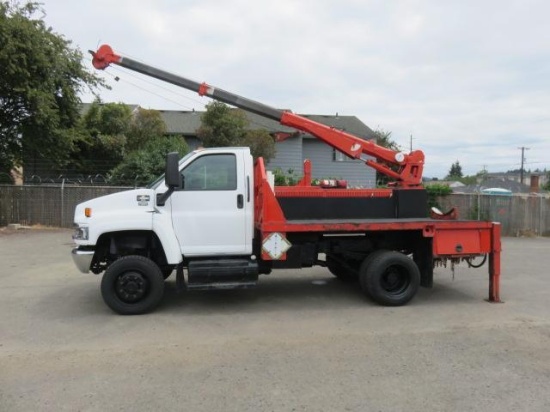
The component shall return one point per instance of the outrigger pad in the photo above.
(437, 214)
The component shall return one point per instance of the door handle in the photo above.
(240, 201)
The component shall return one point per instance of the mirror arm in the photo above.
(163, 197)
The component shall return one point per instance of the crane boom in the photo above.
(405, 168)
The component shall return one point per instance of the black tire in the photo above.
(364, 268)
(132, 285)
(340, 271)
(390, 278)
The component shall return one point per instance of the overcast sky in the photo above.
(469, 80)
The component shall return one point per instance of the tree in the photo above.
(455, 172)
(41, 76)
(145, 125)
(143, 166)
(435, 192)
(102, 139)
(107, 119)
(260, 142)
(546, 186)
(223, 126)
(383, 138)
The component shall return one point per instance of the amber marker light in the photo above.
(88, 212)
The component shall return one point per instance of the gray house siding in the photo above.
(324, 165)
(288, 156)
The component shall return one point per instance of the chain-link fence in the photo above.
(48, 205)
(53, 205)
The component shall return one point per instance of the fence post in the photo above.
(62, 202)
(541, 217)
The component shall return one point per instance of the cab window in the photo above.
(211, 172)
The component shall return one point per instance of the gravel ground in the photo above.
(301, 341)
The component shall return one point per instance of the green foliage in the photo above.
(435, 192)
(101, 141)
(110, 119)
(468, 180)
(145, 125)
(110, 132)
(455, 172)
(546, 186)
(285, 179)
(383, 138)
(40, 78)
(223, 127)
(260, 142)
(142, 166)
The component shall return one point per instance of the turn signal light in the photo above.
(88, 212)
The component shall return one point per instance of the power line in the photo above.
(129, 73)
(117, 78)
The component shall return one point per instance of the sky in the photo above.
(468, 80)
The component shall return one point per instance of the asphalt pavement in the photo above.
(301, 341)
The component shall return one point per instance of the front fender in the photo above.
(162, 226)
(169, 243)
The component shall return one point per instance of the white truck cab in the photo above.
(205, 208)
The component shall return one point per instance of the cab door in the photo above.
(210, 213)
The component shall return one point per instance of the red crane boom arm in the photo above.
(406, 169)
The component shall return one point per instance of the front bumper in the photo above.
(82, 259)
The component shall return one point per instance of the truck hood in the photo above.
(128, 210)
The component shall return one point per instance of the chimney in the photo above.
(534, 187)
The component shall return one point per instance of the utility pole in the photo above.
(523, 149)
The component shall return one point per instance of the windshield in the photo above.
(156, 183)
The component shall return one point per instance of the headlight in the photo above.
(80, 232)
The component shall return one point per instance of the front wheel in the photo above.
(390, 278)
(132, 285)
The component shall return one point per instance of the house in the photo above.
(541, 180)
(293, 148)
(495, 183)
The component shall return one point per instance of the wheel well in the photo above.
(352, 250)
(113, 245)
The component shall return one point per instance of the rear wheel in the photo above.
(390, 278)
(132, 285)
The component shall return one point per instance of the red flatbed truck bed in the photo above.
(444, 240)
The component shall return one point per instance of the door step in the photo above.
(221, 286)
(222, 274)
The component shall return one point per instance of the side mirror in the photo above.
(172, 178)
(172, 175)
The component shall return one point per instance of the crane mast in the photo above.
(405, 168)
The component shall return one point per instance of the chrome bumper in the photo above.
(82, 259)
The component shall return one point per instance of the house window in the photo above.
(340, 157)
